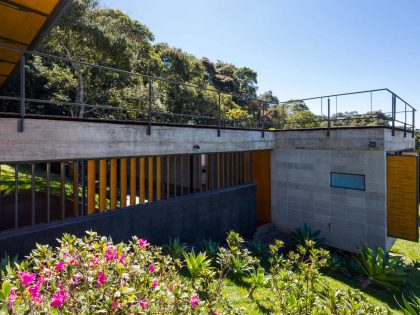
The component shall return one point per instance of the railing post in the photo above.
(149, 112)
(329, 118)
(414, 124)
(262, 120)
(405, 120)
(219, 116)
(22, 93)
(394, 99)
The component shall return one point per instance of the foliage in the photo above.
(296, 284)
(210, 247)
(381, 268)
(410, 305)
(94, 275)
(258, 249)
(175, 248)
(197, 264)
(258, 279)
(304, 233)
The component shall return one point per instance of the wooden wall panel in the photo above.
(158, 178)
(402, 198)
(133, 175)
(113, 184)
(261, 175)
(123, 182)
(142, 183)
(151, 180)
(102, 185)
(91, 171)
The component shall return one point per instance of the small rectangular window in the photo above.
(347, 181)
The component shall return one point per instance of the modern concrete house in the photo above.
(121, 178)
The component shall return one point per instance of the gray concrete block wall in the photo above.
(301, 192)
(191, 218)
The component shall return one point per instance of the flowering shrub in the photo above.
(93, 275)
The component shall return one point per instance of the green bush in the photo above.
(92, 275)
(381, 268)
(410, 305)
(175, 248)
(304, 234)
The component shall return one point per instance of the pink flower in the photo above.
(34, 291)
(59, 266)
(171, 288)
(216, 313)
(101, 278)
(95, 262)
(143, 304)
(12, 299)
(73, 262)
(76, 279)
(114, 304)
(26, 277)
(151, 268)
(58, 299)
(155, 283)
(122, 259)
(194, 301)
(143, 243)
(111, 254)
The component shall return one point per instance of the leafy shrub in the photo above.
(295, 282)
(93, 275)
(258, 280)
(196, 264)
(381, 268)
(175, 248)
(304, 234)
(410, 306)
(210, 247)
(258, 248)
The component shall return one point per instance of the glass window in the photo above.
(348, 181)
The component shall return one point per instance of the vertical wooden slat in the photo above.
(133, 175)
(151, 179)
(75, 188)
(102, 185)
(33, 192)
(91, 170)
(48, 184)
(174, 176)
(113, 183)
(123, 182)
(142, 183)
(158, 178)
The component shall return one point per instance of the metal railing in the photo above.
(261, 121)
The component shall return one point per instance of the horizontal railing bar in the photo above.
(148, 76)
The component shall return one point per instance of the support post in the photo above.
(394, 99)
(149, 113)
(329, 118)
(414, 124)
(405, 120)
(262, 120)
(22, 93)
(219, 116)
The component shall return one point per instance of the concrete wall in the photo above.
(45, 139)
(206, 215)
(301, 192)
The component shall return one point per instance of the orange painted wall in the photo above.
(261, 177)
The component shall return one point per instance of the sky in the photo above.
(300, 48)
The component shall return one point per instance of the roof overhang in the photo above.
(23, 24)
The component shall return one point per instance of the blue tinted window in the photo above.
(348, 181)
